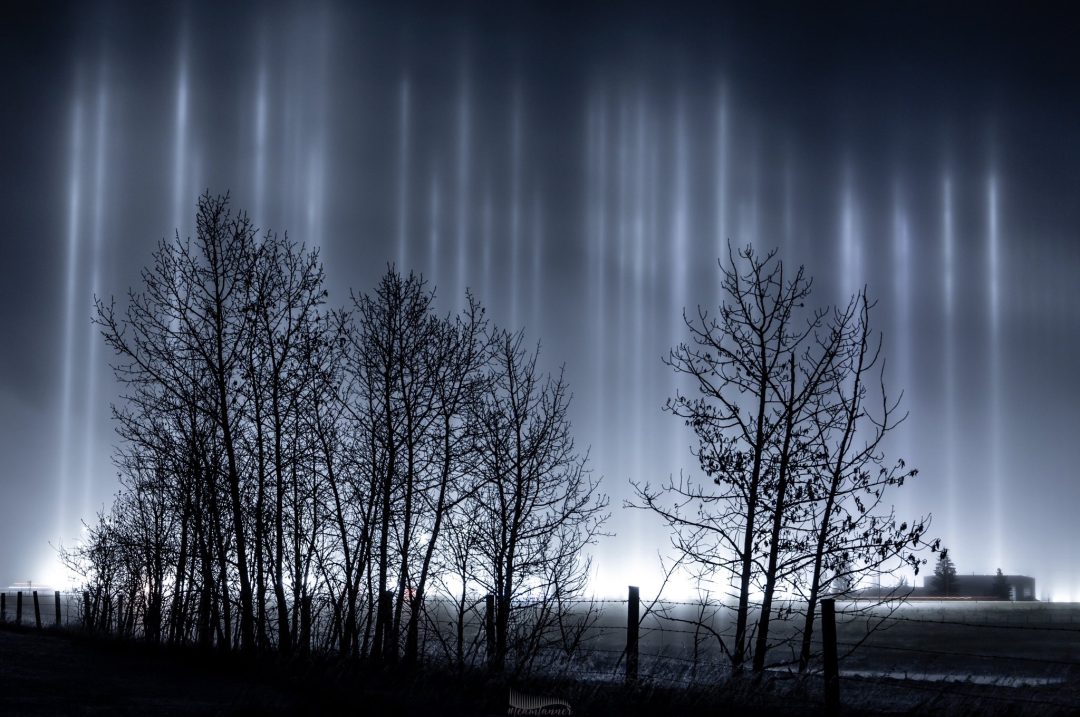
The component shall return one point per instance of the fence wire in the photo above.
(901, 653)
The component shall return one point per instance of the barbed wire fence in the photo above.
(927, 655)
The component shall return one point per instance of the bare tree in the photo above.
(284, 298)
(733, 361)
(778, 401)
(211, 351)
(455, 358)
(538, 506)
(186, 329)
(416, 378)
(295, 476)
(808, 378)
(854, 534)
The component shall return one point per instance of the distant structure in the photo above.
(1020, 588)
(978, 587)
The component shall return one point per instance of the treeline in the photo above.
(364, 472)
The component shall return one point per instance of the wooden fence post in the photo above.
(633, 619)
(120, 615)
(58, 608)
(37, 611)
(489, 627)
(87, 624)
(18, 607)
(832, 668)
(3, 607)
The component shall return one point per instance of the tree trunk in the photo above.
(777, 527)
(738, 655)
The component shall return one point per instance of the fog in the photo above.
(580, 169)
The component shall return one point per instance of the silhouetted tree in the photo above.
(944, 580)
(393, 327)
(284, 299)
(733, 361)
(811, 375)
(790, 448)
(294, 476)
(457, 356)
(210, 351)
(1001, 586)
(853, 535)
(537, 506)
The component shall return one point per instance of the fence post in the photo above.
(3, 607)
(633, 619)
(37, 611)
(87, 624)
(58, 608)
(489, 627)
(18, 607)
(832, 669)
(120, 615)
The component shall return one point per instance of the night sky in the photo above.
(579, 167)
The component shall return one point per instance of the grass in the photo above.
(936, 660)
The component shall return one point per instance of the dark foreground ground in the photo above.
(66, 673)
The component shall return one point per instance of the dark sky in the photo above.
(579, 166)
